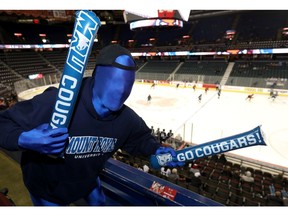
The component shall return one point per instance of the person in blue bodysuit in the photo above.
(101, 124)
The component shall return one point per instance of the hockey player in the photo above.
(271, 93)
(200, 98)
(149, 98)
(274, 96)
(101, 124)
(249, 97)
(219, 93)
(194, 87)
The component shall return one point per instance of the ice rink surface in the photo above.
(179, 110)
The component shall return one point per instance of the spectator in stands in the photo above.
(222, 159)
(174, 175)
(187, 166)
(119, 154)
(278, 179)
(247, 177)
(237, 172)
(163, 136)
(242, 170)
(227, 171)
(169, 136)
(3, 104)
(100, 125)
(178, 137)
(214, 158)
(157, 134)
(285, 201)
(146, 168)
(135, 165)
(195, 179)
(272, 189)
(194, 169)
(276, 199)
(165, 171)
(284, 197)
(152, 131)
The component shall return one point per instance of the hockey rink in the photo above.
(179, 110)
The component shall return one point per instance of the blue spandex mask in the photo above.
(113, 85)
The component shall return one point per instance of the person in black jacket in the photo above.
(101, 124)
(3, 104)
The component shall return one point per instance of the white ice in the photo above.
(178, 109)
(213, 118)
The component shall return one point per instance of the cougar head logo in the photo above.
(164, 158)
(82, 41)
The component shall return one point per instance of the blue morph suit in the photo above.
(101, 124)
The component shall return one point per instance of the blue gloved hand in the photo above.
(44, 139)
(174, 162)
(97, 196)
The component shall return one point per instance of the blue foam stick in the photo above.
(246, 139)
(85, 29)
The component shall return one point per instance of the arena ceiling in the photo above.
(109, 16)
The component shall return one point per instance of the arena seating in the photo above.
(157, 70)
(260, 26)
(229, 191)
(263, 74)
